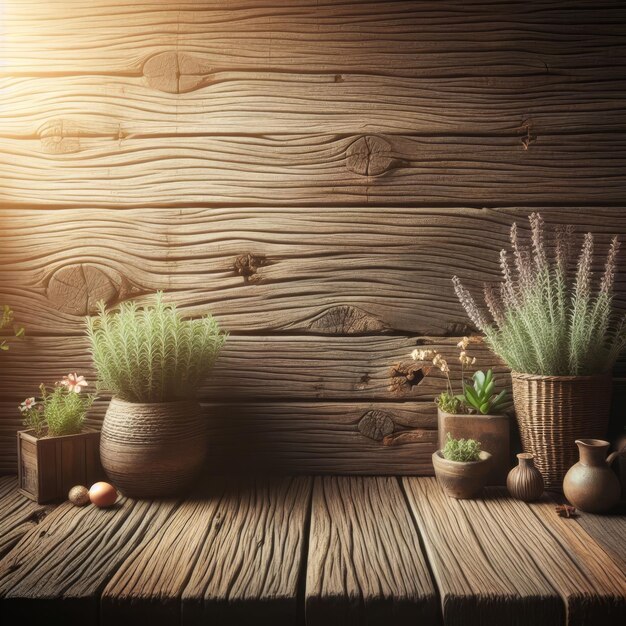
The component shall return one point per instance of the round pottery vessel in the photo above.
(462, 480)
(525, 481)
(491, 430)
(591, 485)
(153, 450)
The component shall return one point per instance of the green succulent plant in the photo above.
(461, 450)
(481, 396)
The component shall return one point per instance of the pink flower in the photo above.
(74, 382)
(29, 403)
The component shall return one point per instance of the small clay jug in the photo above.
(590, 485)
(525, 481)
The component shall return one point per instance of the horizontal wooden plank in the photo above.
(607, 531)
(298, 437)
(18, 514)
(278, 367)
(322, 270)
(365, 562)
(367, 169)
(417, 38)
(286, 103)
(57, 570)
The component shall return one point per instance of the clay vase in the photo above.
(153, 450)
(491, 430)
(591, 485)
(525, 481)
(462, 480)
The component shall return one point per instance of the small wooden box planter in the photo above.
(48, 467)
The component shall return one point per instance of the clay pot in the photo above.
(153, 450)
(590, 485)
(462, 480)
(525, 481)
(491, 430)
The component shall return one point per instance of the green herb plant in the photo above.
(461, 450)
(544, 317)
(6, 319)
(60, 410)
(152, 354)
(482, 397)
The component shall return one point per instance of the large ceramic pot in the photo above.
(590, 485)
(491, 430)
(461, 480)
(553, 412)
(153, 450)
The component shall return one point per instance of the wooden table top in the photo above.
(320, 551)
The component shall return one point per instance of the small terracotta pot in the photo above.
(525, 481)
(153, 450)
(493, 432)
(591, 485)
(459, 479)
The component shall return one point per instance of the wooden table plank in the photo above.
(18, 514)
(592, 585)
(481, 566)
(365, 562)
(249, 565)
(150, 582)
(509, 560)
(56, 572)
(608, 531)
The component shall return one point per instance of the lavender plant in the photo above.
(544, 317)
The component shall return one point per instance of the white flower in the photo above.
(74, 382)
(423, 355)
(29, 403)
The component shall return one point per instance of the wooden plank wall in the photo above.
(311, 172)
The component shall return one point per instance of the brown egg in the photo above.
(102, 494)
(78, 495)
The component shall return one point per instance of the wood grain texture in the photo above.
(534, 559)
(248, 569)
(238, 547)
(286, 102)
(69, 557)
(69, 169)
(446, 38)
(293, 367)
(18, 514)
(328, 270)
(607, 531)
(297, 437)
(365, 562)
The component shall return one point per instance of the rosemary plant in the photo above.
(544, 318)
(152, 354)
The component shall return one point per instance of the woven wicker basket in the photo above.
(553, 411)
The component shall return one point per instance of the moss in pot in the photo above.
(461, 467)
(154, 436)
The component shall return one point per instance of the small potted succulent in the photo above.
(560, 333)
(461, 467)
(154, 435)
(477, 412)
(56, 451)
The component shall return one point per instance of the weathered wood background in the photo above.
(313, 174)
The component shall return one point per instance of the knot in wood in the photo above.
(346, 320)
(247, 265)
(77, 289)
(176, 72)
(369, 156)
(59, 137)
(376, 425)
(404, 376)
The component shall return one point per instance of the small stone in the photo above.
(78, 495)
